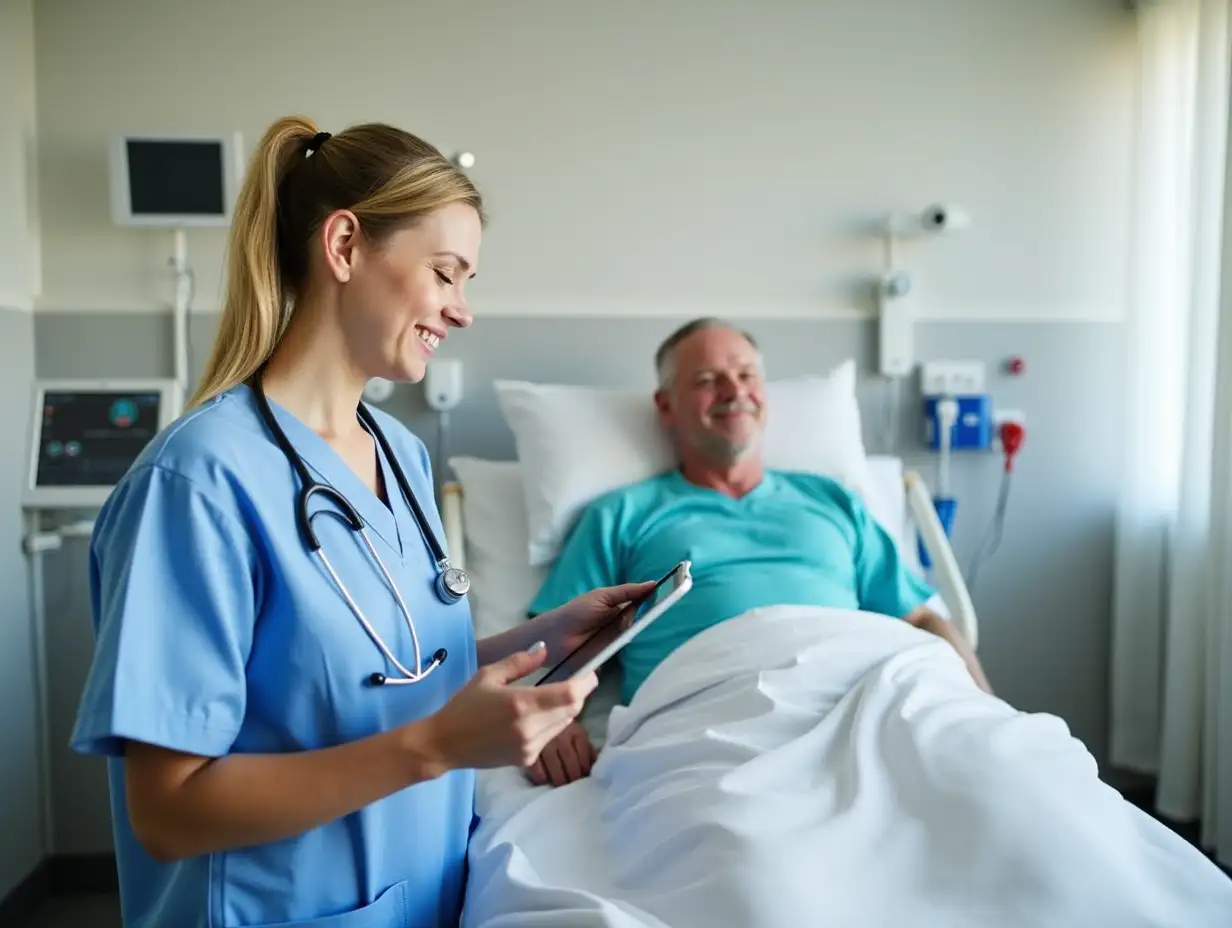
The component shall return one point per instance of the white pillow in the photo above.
(494, 523)
(576, 443)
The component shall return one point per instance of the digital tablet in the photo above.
(600, 647)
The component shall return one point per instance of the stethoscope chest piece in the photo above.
(452, 584)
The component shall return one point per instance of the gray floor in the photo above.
(95, 911)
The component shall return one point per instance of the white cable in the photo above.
(992, 536)
(947, 415)
(179, 261)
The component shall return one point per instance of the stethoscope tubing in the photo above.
(309, 487)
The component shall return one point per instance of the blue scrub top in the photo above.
(217, 632)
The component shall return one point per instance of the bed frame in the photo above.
(946, 575)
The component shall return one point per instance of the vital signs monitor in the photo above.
(174, 180)
(85, 434)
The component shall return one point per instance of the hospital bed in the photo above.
(904, 510)
(797, 767)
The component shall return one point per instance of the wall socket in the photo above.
(952, 378)
(1001, 416)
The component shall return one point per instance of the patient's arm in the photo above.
(929, 621)
(568, 757)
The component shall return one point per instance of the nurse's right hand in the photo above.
(491, 723)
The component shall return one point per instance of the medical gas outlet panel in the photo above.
(956, 401)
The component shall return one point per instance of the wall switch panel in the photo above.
(952, 378)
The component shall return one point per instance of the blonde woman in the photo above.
(286, 683)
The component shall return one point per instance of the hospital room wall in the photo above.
(1044, 600)
(642, 157)
(21, 787)
(21, 790)
(645, 162)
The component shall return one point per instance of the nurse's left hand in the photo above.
(566, 627)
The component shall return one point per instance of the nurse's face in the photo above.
(401, 297)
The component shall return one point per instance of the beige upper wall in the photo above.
(641, 156)
(19, 233)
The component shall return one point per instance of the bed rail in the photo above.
(451, 517)
(946, 572)
(948, 576)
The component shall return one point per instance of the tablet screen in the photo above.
(593, 646)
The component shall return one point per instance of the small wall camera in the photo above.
(941, 217)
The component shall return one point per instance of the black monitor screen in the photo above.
(177, 178)
(92, 439)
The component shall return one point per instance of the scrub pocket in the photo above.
(389, 910)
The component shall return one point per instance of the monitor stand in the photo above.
(37, 541)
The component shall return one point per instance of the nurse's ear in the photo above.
(340, 238)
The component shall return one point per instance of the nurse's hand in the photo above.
(566, 627)
(491, 723)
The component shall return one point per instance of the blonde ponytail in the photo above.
(252, 312)
(387, 177)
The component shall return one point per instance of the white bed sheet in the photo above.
(799, 766)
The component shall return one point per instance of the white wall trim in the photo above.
(522, 310)
(17, 302)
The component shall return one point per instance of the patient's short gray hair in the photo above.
(665, 362)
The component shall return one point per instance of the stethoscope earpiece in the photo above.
(379, 679)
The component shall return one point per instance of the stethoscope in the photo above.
(451, 584)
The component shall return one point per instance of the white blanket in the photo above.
(799, 766)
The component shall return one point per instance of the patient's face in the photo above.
(716, 404)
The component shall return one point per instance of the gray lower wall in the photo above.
(21, 786)
(1044, 600)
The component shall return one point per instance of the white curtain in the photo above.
(1172, 617)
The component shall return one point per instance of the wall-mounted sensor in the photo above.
(895, 285)
(443, 384)
(943, 217)
(378, 390)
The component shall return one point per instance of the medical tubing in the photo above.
(947, 415)
(992, 536)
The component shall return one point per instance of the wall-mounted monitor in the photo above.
(174, 181)
(86, 434)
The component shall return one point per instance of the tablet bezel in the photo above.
(682, 574)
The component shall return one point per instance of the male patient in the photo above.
(756, 537)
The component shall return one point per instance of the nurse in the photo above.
(291, 733)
